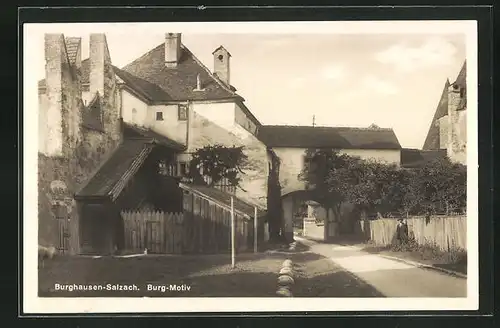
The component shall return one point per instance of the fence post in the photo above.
(255, 230)
(232, 233)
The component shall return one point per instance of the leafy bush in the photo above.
(211, 164)
(437, 187)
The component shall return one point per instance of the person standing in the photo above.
(401, 231)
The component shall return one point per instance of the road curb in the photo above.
(285, 287)
(425, 266)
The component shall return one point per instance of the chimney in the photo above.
(52, 106)
(172, 49)
(102, 80)
(97, 52)
(221, 64)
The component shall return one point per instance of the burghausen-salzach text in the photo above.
(95, 287)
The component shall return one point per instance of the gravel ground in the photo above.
(318, 276)
(206, 276)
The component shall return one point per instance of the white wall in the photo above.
(292, 162)
(392, 156)
(134, 110)
(221, 114)
(170, 127)
(42, 123)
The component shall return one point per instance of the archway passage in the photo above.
(304, 214)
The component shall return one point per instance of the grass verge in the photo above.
(454, 260)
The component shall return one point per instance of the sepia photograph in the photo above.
(192, 167)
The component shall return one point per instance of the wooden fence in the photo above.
(207, 229)
(444, 232)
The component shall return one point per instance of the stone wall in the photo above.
(83, 149)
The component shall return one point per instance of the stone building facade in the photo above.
(74, 138)
(448, 130)
(171, 98)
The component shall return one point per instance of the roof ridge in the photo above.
(327, 127)
(143, 56)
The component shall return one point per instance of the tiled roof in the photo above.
(112, 177)
(72, 45)
(91, 117)
(148, 76)
(224, 199)
(327, 137)
(84, 74)
(148, 90)
(136, 132)
(411, 158)
(432, 140)
(179, 82)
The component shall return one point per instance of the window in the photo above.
(159, 116)
(162, 168)
(182, 113)
(183, 168)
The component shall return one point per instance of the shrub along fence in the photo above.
(444, 232)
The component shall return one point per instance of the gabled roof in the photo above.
(114, 174)
(461, 80)
(221, 47)
(149, 77)
(412, 158)
(432, 140)
(148, 90)
(224, 199)
(327, 137)
(179, 82)
(139, 133)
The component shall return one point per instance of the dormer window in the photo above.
(159, 116)
(182, 113)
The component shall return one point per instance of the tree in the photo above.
(327, 176)
(274, 205)
(438, 187)
(211, 164)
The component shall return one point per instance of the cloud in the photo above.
(333, 72)
(378, 85)
(434, 51)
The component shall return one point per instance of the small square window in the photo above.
(159, 116)
(182, 114)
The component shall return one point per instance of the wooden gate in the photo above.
(63, 228)
(153, 236)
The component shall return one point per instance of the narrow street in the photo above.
(390, 278)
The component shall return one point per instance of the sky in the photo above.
(286, 75)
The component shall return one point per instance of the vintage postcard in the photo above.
(227, 167)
